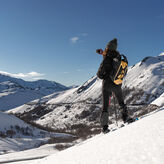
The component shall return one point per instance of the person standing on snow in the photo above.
(108, 86)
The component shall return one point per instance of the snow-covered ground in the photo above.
(159, 101)
(140, 142)
(26, 155)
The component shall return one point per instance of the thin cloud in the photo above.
(66, 72)
(77, 38)
(34, 74)
(84, 34)
(74, 39)
(23, 75)
(79, 70)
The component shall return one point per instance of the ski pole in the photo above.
(110, 100)
(115, 108)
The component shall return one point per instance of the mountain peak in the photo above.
(161, 54)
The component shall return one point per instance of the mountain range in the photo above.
(15, 92)
(143, 90)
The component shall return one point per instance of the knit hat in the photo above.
(112, 45)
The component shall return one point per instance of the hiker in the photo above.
(108, 86)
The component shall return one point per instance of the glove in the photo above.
(99, 51)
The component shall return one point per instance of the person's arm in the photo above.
(101, 52)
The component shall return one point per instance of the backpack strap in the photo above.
(124, 58)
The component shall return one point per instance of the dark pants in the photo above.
(107, 88)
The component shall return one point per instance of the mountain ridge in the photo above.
(15, 92)
(143, 84)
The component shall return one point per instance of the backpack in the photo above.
(120, 68)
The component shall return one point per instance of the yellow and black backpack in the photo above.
(120, 68)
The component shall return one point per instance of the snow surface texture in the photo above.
(15, 92)
(69, 107)
(140, 142)
(159, 101)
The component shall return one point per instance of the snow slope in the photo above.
(139, 142)
(147, 75)
(159, 101)
(15, 92)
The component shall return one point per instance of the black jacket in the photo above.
(106, 66)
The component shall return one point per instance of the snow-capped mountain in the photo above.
(17, 135)
(15, 92)
(144, 84)
(147, 76)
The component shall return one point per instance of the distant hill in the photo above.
(15, 92)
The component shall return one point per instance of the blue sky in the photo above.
(57, 39)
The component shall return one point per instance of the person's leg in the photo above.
(106, 93)
(118, 93)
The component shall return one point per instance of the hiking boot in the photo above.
(125, 116)
(130, 120)
(105, 129)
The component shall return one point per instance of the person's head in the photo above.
(112, 45)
